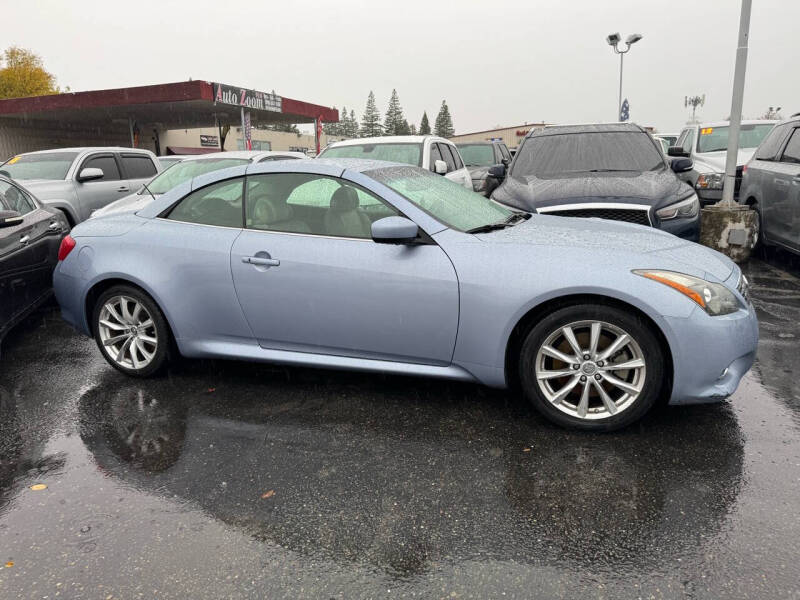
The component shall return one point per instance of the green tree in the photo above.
(444, 122)
(424, 125)
(23, 75)
(330, 128)
(371, 121)
(352, 125)
(395, 123)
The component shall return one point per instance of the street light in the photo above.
(613, 40)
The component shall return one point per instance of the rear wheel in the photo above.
(757, 228)
(131, 331)
(592, 367)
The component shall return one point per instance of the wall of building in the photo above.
(512, 136)
(262, 139)
(17, 136)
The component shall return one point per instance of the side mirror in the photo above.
(10, 218)
(676, 151)
(497, 171)
(90, 174)
(394, 230)
(440, 167)
(506, 161)
(681, 164)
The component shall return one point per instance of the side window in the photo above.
(104, 162)
(504, 152)
(138, 166)
(312, 204)
(435, 155)
(216, 204)
(13, 198)
(448, 157)
(792, 152)
(768, 150)
(456, 156)
(688, 141)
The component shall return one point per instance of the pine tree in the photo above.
(352, 125)
(413, 129)
(330, 128)
(371, 121)
(395, 123)
(424, 126)
(444, 123)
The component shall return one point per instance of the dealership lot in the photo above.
(242, 480)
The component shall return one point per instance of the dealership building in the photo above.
(189, 117)
(512, 136)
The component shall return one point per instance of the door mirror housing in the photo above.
(10, 218)
(681, 164)
(440, 167)
(497, 171)
(505, 161)
(90, 174)
(394, 230)
(676, 151)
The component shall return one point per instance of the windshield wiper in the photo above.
(509, 221)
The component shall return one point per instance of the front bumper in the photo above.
(711, 354)
(688, 229)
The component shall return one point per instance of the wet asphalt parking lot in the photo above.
(236, 480)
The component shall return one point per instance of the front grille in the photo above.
(612, 214)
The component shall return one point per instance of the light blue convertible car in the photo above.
(385, 267)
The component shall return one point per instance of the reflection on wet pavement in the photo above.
(241, 480)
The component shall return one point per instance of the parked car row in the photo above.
(401, 267)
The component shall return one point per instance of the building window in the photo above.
(257, 144)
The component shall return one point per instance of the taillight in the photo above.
(67, 244)
(744, 169)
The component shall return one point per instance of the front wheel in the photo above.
(592, 367)
(131, 331)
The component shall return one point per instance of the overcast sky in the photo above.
(504, 62)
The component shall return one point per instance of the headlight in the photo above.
(688, 207)
(710, 181)
(479, 185)
(714, 298)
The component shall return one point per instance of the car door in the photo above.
(783, 182)
(137, 168)
(26, 262)
(96, 193)
(456, 171)
(320, 284)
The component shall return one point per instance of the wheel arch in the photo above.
(534, 314)
(97, 289)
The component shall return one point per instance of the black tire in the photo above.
(651, 381)
(759, 240)
(162, 333)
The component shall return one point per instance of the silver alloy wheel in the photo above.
(756, 229)
(590, 369)
(127, 332)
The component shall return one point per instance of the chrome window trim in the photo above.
(315, 235)
(597, 205)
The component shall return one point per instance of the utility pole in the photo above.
(736, 104)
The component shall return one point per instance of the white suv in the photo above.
(427, 151)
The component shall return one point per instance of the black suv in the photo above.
(610, 171)
(479, 157)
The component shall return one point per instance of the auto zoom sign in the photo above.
(228, 94)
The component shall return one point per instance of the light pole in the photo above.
(613, 40)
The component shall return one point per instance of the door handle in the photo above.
(54, 226)
(261, 262)
(123, 189)
(24, 239)
(780, 182)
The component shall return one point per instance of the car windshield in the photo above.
(477, 155)
(186, 170)
(449, 203)
(49, 165)
(553, 155)
(410, 154)
(715, 139)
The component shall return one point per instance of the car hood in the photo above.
(714, 162)
(48, 189)
(652, 188)
(128, 204)
(476, 172)
(614, 238)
